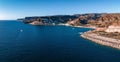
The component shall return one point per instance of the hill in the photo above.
(91, 19)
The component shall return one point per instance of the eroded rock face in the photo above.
(107, 19)
(50, 19)
(85, 19)
(99, 20)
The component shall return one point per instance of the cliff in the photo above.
(92, 19)
(50, 19)
(98, 20)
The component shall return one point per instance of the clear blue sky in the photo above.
(13, 9)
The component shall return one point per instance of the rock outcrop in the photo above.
(92, 19)
(50, 19)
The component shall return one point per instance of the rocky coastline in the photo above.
(89, 19)
(114, 43)
(107, 22)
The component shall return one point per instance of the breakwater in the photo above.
(115, 43)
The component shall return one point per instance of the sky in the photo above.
(14, 9)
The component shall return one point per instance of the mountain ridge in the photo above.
(93, 19)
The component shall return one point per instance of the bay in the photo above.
(21, 42)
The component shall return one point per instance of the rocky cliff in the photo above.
(50, 19)
(94, 19)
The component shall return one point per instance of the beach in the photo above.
(114, 43)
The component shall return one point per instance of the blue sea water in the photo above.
(21, 42)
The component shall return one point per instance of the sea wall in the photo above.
(115, 43)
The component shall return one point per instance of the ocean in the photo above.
(21, 42)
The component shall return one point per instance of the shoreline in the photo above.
(114, 43)
(111, 42)
(62, 24)
(92, 27)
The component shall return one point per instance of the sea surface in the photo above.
(21, 42)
